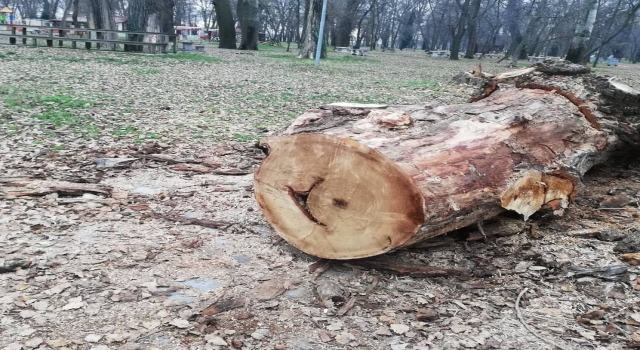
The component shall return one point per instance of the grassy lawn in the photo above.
(59, 96)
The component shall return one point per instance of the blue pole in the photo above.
(321, 32)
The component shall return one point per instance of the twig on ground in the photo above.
(143, 336)
(192, 221)
(526, 326)
(318, 268)
(624, 333)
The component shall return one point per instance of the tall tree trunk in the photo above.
(472, 27)
(310, 38)
(513, 27)
(76, 9)
(582, 35)
(103, 17)
(54, 9)
(226, 24)
(46, 10)
(138, 14)
(63, 23)
(525, 43)
(406, 31)
(165, 14)
(345, 22)
(458, 31)
(249, 23)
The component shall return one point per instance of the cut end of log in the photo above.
(335, 198)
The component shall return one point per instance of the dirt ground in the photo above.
(173, 253)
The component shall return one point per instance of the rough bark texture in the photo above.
(102, 13)
(225, 24)
(249, 23)
(313, 12)
(380, 177)
(138, 14)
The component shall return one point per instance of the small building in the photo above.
(82, 22)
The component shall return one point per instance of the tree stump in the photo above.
(352, 181)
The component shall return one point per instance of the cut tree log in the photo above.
(348, 182)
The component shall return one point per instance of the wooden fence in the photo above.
(89, 36)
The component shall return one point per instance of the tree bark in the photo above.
(74, 17)
(310, 38)
(226, 24)
(138, 15)
(103, 17)
(249, 23)
(353, 181)
(457, 32)
(581, 37)
(345, 23)
(472, 26)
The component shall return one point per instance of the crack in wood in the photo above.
(300, 199)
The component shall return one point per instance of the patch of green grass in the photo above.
(58, 148)
(66, 102)
(369, 99)
(58, 110)
(286, 96)
(126, 131)
(146, 70)
(58, 118)
(244, 138)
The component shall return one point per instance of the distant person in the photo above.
(3, 18)
(12, 18)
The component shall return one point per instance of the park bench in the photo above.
(354, 51)
(438, 53)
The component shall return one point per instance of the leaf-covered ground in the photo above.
(117, 271)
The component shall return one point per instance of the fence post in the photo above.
(13, 40)
(175, 44)
(24, 34)
(50, 41)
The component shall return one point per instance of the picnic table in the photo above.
(439, 53)
(354, 50)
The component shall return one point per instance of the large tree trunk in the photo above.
(472, 26)
(249, 23)
(352, 181)
(458, 31)
(103, 17)
(138, 15)
(313, 12)
(226, 24)
(578, 49)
